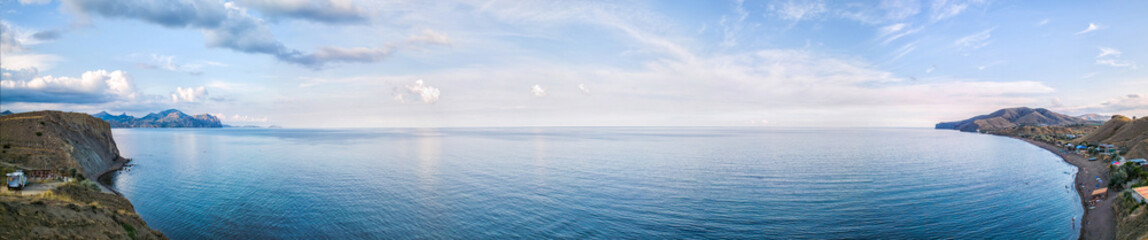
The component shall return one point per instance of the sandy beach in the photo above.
(1100, 222)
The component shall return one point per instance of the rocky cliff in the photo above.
(68, 144)
(54, 140)
(1012, 117)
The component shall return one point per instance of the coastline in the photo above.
(104, 179)
(1100, 222)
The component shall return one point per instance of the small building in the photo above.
(1139, 193)
(1140, 161)
(1102, 193)
(40, 174)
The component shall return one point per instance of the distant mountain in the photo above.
(170, 118)
(1011, 117)
(1095, 117)
(5, 112)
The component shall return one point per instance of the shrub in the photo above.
(39, 134)
(129, 229)
(89, 184)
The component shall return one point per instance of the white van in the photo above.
(17, 180)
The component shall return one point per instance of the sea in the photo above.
(595, 183)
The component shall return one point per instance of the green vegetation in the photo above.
(89, 184)
(39, 134)
(131, 230)
(1126, 173)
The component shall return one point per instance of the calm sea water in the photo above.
(479, 183)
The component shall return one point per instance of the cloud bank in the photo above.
(229, 25)
(92, 87)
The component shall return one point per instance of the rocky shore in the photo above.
(69, 146)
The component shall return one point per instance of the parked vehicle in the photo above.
(17, 180)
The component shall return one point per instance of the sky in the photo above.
(352, 63)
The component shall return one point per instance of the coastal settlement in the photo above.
(1112, 176)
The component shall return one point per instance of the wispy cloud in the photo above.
(1108, 52)
(732, 26)
(989, 65)
(1116, 63)
(1091, 28)
(975, 41)
(1108, 57)
(1042, 22)
(942, 9)
(1129, 102)
(903, 50)
(898, 9)
(895, 31)
(799, 10)
(582, 87)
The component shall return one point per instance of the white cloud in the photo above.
(14, 53)
(582, 87)
(1108, 52)
(900, 9)
(895, 31)
(245, 118)
(906, 49)
(731, 28)
(931, 69)
(169, 63)
(943, 9)
(1116, 63)
(988, 65)
(197, 94)
(975, 41)
(799, 10)
(1091, 27)
(1043, 22)
(428, 94)
(538, 91)
(431, 37)
(92, 87)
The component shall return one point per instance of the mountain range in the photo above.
(170, 118)
(1095, 117)
(1011, 117)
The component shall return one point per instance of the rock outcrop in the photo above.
(55, 140)
(1012, 117)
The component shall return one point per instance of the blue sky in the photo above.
(349, 63)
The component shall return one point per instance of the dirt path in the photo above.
(1100, 222)
(36, 188)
